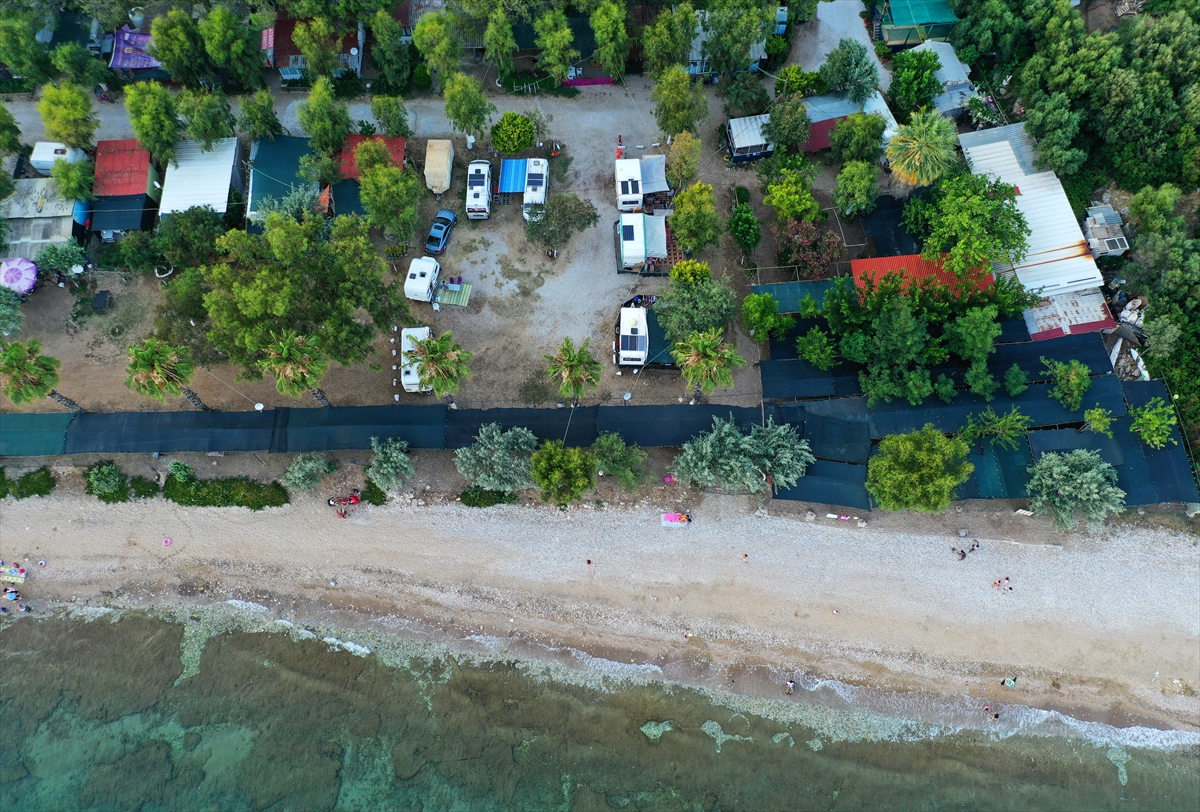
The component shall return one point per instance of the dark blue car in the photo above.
(439, 233)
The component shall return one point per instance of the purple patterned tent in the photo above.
(18, 274)
(131, 51)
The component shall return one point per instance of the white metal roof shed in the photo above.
(1059, 259)
(198, 178)
(830, 106)
(953, 77)
(747, 133)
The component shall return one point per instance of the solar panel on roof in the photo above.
(634, 343)
(627, 233)
(475, 180)
(535, 179)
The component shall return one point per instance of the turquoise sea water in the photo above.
(229, 709)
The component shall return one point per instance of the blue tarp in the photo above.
(790, 294)
(512, 175)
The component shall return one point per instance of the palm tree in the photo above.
(25, 375)
(706, 361)
(297, 364)
(156, 370)
(441, 363)
(575, 371)
(923, 150)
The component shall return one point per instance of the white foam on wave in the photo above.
(612, 668)
(248, 606)
(346, 645)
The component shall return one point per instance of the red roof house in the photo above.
(281, 52)
(915, 268)
(349, 169)
(122, 168)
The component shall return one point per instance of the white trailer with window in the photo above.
(535, 185)
(633, 339)
(479, 190)
(642, 239)
(422, 280)
(410, 371)
(629, 184)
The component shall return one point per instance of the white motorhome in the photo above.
(535, 184)
(410, 374)
(633, 346)
(479, 190)
(45, 153)
(629, 184)
(421, 282)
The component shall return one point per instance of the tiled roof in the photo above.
(284, 46)
(349, 169)
(122, 168)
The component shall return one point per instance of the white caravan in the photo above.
(535, 184)
(421, 282)
(479, 190)
(410, 373)
(629, 184)
(634, 338)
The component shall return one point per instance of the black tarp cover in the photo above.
(831, 483)
(577, 426)
(147, 432)
(1123, 451)
(829, 438)
(34, 435)
(1169, 466)
(352, 427)
(668, 426)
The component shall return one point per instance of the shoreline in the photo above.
(505, 582)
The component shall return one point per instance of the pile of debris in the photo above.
(1129, 338)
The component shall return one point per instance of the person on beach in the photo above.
(790, 688)
(1011, 682)
(745, 558)
(341, 514)
(354, 498)
(995, 717)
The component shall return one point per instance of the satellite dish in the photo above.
(353, 52)
(628, 396)
(258, 407)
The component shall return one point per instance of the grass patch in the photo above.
(143, 488)
(478, 497)
(373, 495)
(560, 165)
(232, 492)
(36, 483)
(536, 390)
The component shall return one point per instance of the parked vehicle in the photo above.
(629, 184)
(439, 232)
(479, 190)
(439, 162)
(535, 185)
(410, 373)
(422, 280)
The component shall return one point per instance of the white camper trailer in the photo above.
(45, 153)
(535, 185)
(410, 373)
(634, 338)
(642, 239)
(479, 190)
(421, 282)
(629, 184)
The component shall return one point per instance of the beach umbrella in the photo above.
(18, 274)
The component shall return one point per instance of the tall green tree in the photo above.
(392, 116)
(158, 370)
(11, 317)
(441, 363)
(914, 85)
(326, 120)
(668, 40)
(10, 133)
(498, 460)
(679, 104)
(391, 55)
(683, 160)
(74, 180)
(762, 319)
(391, 196)
(696, 307)
(188, 238)
(990, 28)
(857, 188)
(972, 336)
(918, 471)
(19, 48)
(612, 40)
(791, 197)
(27, 375)
(554, 38)
(177, 43)
(858, 137)
(706, 361)
(435, 39)
(499, 44)
(233, 46)
(1153, 209)
(788, 124)
(694, 220)
(1071, 380)
(744, 228)
(924, 149)
(1077, 484)
(321, 45)
(297, 364)
(154, 119)
(1055, 125)
(576, 371)
(66, 112)
(849, 69)
(727, 458)
(467, 107)
(75, 64)
(208, 115)
(556, 222)
(303, 275)
(259, 120)
(734, 27)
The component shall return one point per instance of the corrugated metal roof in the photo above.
(834, 105)
(747, 132)
(1058, 259)
(914, 267)
(877, 104)
(953, 71)
(349, 168)
(199, 178)
(122, 168)
(1068, 314)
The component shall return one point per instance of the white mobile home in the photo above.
(634, 338)
(410, 371)
(45, 153)
(422, 280)
(641, 239)
(629, 184)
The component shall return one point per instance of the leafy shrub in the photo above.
(390, 464)
(1077, 483)
(690, 271)
(142, 487)
(761, 316)
(479, 497)
(1071, 381)
(106, 482)
(308, 470)
(1005, 429)
(1015, 381)
(741, 195)
(744, 228)
(918, 470)
(36, 483)
(619, 460)
(513, 133)
(421, 79)
(233, 492)
(181, 471)
(498, 460)
(563, 474)
(726, 457)
(816, 347)
(882, 50)
(1153, 423)
(372, 494)
(1098, 420)
(794, 80)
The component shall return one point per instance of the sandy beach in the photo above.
(1101, 627)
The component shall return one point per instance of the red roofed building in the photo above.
(915, 268)
(349, 169)
(281, 52)
(127, 188)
